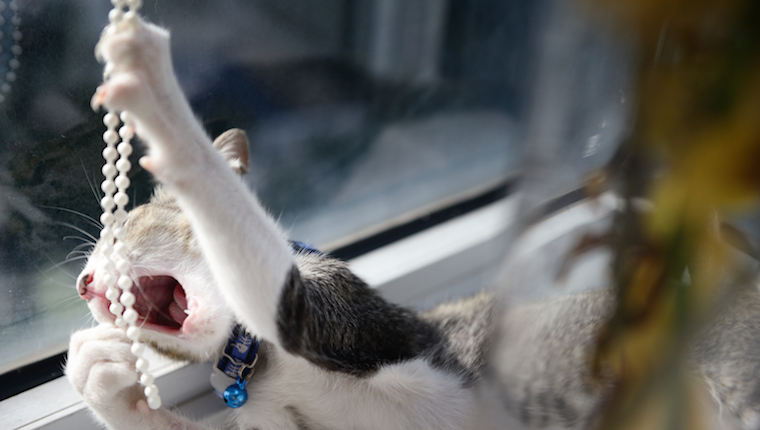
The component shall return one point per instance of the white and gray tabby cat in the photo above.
(334, 354)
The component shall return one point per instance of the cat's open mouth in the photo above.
(160, 301)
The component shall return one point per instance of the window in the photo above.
(361, 116)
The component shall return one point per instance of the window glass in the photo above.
(358, 114)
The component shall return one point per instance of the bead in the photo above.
(127, 299)
(142, 365)
(126, 132)
(5, 88)
(126, 117)
(106, 218)
(125, 282)
(16, 50)
(130, 316)
(119, 321)
(110, 154)
(122, 182)
(131, 17)
(107, 249)
(17, 36)
(116, 308)
(146, 378)
(115, 15)
(108, 187)
(106, 234)
(13, 5)
(133, 333)
(10, 76)
(117, 3)
(2, 6)
(110, 137)
(120, 249)
(120, 215)
(111, 120)
(109, 280)
(119, 233)
(121, 198)
(107, 203)
(108, 267)
(16, 21)
(151, 391)
(154, 403)
(138, 349)
(123, 165)
(14, 64)
(134, 4)
(109, 170)
(125, 149)
(112, 294)
(122, 265)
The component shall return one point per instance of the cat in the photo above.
(209, 261)
(205, 256)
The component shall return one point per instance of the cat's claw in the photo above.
(147, 163)
(97, 100)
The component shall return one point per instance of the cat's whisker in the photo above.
(57, 281)
(86, 241)
(78, 229)
(72, 254)
(90, 219)
(93, 188)
(59, 266)
(67, 302)
(84, 245)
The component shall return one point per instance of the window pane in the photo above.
(358, 113)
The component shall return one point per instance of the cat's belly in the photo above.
(409, 395)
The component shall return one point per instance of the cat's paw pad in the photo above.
(138, 65)
(101, 366)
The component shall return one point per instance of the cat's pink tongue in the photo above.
(178, 307)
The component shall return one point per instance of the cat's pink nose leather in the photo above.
(83, 281)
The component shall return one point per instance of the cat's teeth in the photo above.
(187, 311)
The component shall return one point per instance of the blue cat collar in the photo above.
(235, 367)
(303, 248)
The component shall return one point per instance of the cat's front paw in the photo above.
(138, 67)
(101, 368)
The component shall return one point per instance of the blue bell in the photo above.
(235, 395)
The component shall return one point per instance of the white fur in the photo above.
(241, 247)
(409, 395)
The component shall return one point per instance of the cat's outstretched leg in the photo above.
(102, 369)
(247, 253)
(316, 309)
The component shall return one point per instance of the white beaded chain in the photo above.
(114, 215)
(15, 52)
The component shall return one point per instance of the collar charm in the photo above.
(233, 370)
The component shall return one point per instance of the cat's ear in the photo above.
(233, 145)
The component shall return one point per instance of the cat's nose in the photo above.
(83, 281)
